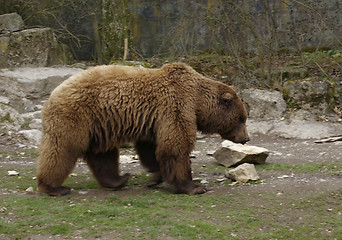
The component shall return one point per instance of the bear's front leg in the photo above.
(174, 144)
(176, 170)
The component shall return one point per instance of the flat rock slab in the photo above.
(32, 75)
(232, 154)
(243, 173)
(294, 128)
(34, 83)
(263, 104)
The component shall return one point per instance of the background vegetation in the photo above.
(94, 30)
(260, 43)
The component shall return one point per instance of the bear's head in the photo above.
(233, 126)
(226, 115)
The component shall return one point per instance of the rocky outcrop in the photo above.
(33, 83)
(22, 94)
(263, 104)
(311, 94)
(10, 119)
(29, 47)
(308, 99)
(24, 90)
(291, 128)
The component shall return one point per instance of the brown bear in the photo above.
(91, 114)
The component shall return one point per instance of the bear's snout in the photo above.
(236, 139)
(245, 140)
(240, 140)
(237, 135)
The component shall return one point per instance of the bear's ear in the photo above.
(226, 98)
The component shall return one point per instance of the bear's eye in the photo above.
(242, 119)
(226, 99)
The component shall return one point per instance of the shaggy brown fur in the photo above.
(94, 112)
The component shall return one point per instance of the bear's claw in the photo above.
(53, 191)
(197, 190)
(192, 188)
(117, 182)
(155, 180)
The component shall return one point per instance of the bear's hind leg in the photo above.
(53, 191)
(53, 169)
(147, 154)
(105, 167)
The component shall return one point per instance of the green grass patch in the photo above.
(140, 213)
(31, 153)
(24, 180)
(303, 167)
(6, 118)
(158, 215)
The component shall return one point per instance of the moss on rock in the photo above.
(317, 94)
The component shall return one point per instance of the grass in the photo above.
(156, 215)
(330, 168)
(21, 182)
(31, 153)
(139, 213)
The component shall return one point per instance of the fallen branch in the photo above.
(330, 139)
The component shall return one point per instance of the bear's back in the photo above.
(108, 77)
(119, 72)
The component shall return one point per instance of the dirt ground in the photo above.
(283, 151)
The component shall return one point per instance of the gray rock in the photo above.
(29, 106)
(36, 124)
(32, 47)
(301, 114)
(13, 173)
(34, 83)
(10, 119)
(22, 92)
(4, 100)
(232, 154)
(243, 173)
(314, 95)
(29, 190)
(127, 159)
(264, 104)
(11, 22)
(32, 135)
(32, 115)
